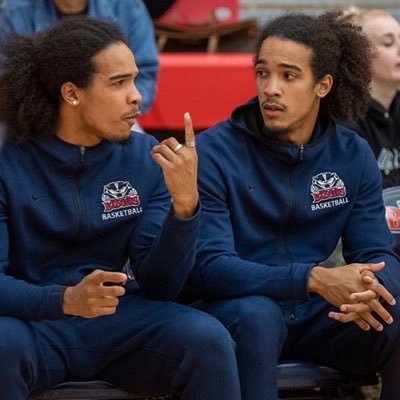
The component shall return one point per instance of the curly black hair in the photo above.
(339, 48)
(33, 69)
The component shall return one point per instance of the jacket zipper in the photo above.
(292, 205)
(78, 200)
(285, 256)
(82, 150)
(301, 152)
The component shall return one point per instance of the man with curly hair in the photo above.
(280, 184)
(98, 226)
(30, 16)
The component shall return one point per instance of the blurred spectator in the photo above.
(29, 16)
(381, 125)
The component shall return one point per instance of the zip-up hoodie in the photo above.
(271, 211)
(65, 211)
(381, 128)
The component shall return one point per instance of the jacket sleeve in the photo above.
(219, 272)
(8, 21)
(367, 238)
(141, 37)
(18, 298)
(163, 247)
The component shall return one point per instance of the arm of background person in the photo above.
(17, 17)
(219, 272)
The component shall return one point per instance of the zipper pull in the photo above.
(82, 150)
(301, 152)
(292, 312)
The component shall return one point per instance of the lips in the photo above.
(130, 121)
(131, 118)
(273, 107)
(133, 114)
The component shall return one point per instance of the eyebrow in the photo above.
(389, 34)
(122, 76)
(281, 65)
(290, 66)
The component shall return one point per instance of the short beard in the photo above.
(124, 141)
(274, 133)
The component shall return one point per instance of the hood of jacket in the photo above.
(248, 120)
(380, 115)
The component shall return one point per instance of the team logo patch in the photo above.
(327, 190)
(120, 195)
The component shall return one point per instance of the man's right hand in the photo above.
(95, 295)
(179, 165)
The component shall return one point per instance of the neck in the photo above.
(300, 133)
(71, 6)
(71, 130)
(383, 93)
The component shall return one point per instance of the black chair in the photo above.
(296, 380)
(303, 380)
(94, 390)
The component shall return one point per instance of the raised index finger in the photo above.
(190, 140)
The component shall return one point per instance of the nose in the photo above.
(134, 96)
(271, 87)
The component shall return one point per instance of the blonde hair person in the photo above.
(381, 125)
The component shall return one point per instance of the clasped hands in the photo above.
(357, 293)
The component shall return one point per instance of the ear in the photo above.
(324, 86)
(69, 93)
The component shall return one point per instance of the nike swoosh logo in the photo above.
(36, 197)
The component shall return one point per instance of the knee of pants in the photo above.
(257, 316)
(16, 343)
(201, 335)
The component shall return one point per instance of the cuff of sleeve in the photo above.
(55, 303)
(301, 273)
(195, 218)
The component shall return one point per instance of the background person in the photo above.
(381, 124)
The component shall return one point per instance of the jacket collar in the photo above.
(70, 158)
(248, 119)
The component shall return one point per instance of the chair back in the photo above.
(391, 199)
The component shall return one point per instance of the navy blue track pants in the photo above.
(265, 332)
(147, 346)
